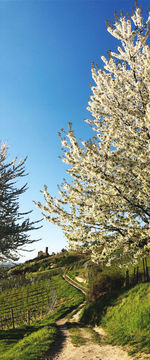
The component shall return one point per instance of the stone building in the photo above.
(43, 253)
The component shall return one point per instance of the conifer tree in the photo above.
(13, 227)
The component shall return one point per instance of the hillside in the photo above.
(35, 294)
(125, 317)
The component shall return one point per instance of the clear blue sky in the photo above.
(46, 49)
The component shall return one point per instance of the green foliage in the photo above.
(68, 259)
(81, 273)
(105, 281)
(73, 273)
(128, 320)
(113, 278)
(63, 250)
(3, 272)
(64, 259)
(41, 275)
(92, 312)
(35, 291)
(125, 316)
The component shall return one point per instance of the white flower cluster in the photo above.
(106, 207)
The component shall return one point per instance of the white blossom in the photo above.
(106, 206)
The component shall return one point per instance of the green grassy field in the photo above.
(30, 342)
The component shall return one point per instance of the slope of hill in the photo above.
(125, 316)
(35, 295)
(28, 322)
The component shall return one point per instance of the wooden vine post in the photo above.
(127, 279)
(134, 276)
(147, 273)
(28, 317)
(144, 271)
(12, 318)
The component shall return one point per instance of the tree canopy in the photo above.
(13, 227)
(106, 206)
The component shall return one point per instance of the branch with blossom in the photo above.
(106, 204)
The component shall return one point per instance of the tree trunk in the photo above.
(137, 274)
(134, 277)
(127, 278)
(144, 269)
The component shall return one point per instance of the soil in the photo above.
(80, 280)
(63, 349)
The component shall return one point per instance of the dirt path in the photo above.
(65, 350)
(88, 348)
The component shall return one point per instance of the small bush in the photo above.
(105, 282)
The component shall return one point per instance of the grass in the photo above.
(125, 316)
(92, 313)
(76, 337)
(45, 263)
(81, 273)
(31, 342)
(49, 272)
(31, 346)
(82, 335)
(128, 320)
(38, 297)
(95, 338)
(70, 315)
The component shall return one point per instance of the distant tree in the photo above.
(107, 205)
(14, 228)
(63, 250)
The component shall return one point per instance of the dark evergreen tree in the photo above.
(14, 227)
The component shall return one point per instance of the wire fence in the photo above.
(25, 313)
